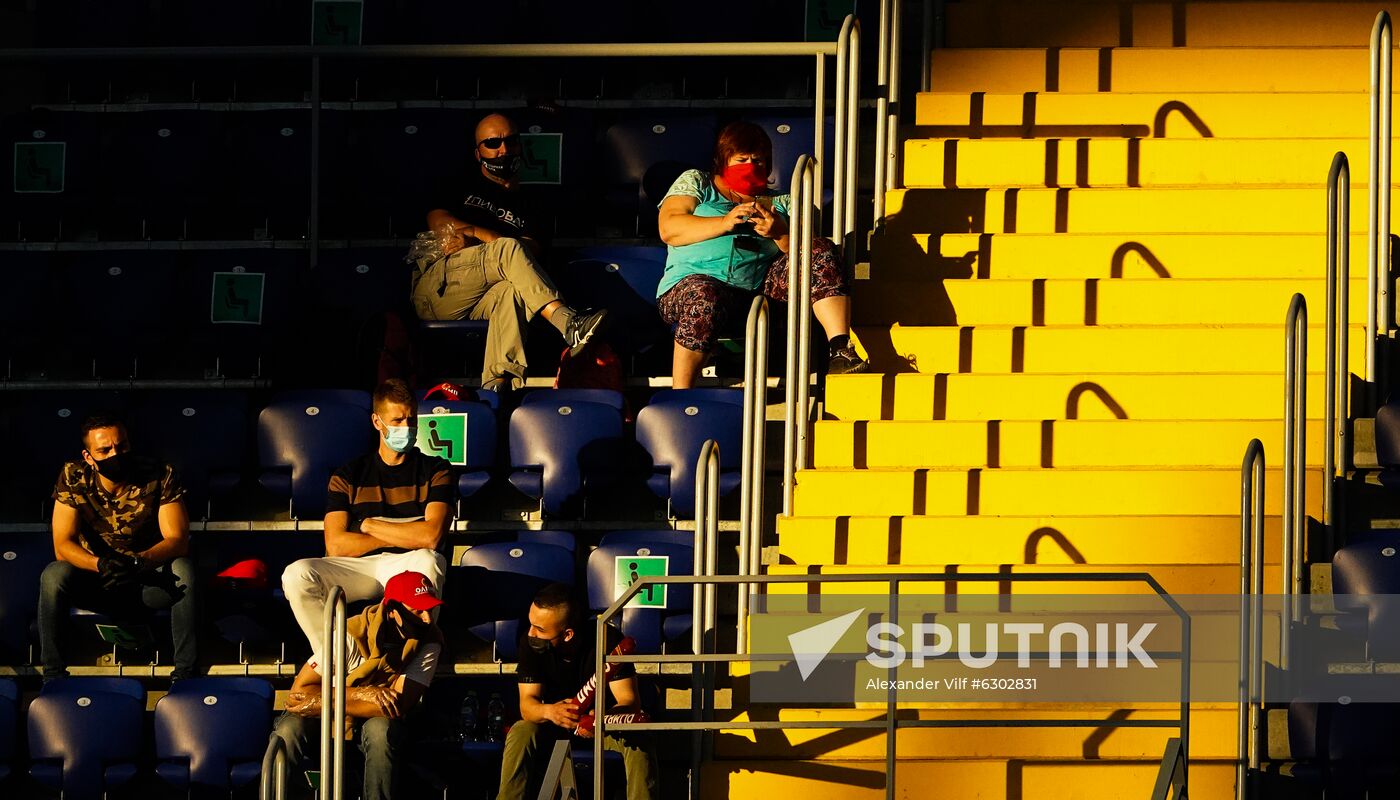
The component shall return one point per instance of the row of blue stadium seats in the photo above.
(89, 23)
(220, 174)
(168, 313)
(488, 591)
(564, 444)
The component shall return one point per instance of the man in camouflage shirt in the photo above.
(121, 538)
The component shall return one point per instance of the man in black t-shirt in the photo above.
(557, 656)
(490, 269)
(387, 512)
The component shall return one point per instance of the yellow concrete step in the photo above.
(1055, 492)
(1164, 396)
(1083, 162)
(1071, 779)
(1089, 255)
(1153, 69)
(1217, 348)
(1213, 723)
(1125, 301)
(1018, 540)
(1025, 23)
(1176, 579)
(1127, 211)
(1049, 443)
(1169, 114)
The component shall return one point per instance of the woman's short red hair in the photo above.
(742, 137)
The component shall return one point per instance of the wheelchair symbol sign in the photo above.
(236, 297)
(444, 436)
(630, 568)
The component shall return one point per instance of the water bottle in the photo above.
(468, 718)
(495, 718)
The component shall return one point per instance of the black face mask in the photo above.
(541, 646)
(503, 166)
(410, 626)
(117, 468)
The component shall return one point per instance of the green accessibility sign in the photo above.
(630, 568)
(543, 157)
(337, 21)
(39, 167)
(444, 436)
(237, 298)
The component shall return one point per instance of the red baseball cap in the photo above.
(252, 571)
(413, 589)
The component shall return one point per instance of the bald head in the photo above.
(493, 125)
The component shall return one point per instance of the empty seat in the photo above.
(662, 614)
(1388, 443)
(607, 397)
(159, 169)
(710, 394)
(269, 190)
(127, 295)
(239, 306)
(48, 438)
(1343, 746)
(673, 433)
(473, 467)
(85, 735)
(203, 434)
(792, 136)
(643, 156)
(23, 557)
(504, 579)
(210, 733)
(48, 175)
(245, 603)
(29, 314)
(1366, 580)
(401, 157)
(561, 450)
(301, 440)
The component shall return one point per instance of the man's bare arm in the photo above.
(66, 545)
(423, 534)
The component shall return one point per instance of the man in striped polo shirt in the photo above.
(387, 512)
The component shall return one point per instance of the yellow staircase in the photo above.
(1075, 315)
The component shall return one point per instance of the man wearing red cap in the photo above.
(391, 654)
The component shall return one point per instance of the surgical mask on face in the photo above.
(505, 166)
(116, 468)
(747, 178)
(399, 438)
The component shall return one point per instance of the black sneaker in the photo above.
(845, 361)
(581, 328)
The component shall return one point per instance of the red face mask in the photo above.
(746, 178)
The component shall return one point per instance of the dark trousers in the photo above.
(64, 586)
(526, 757)
(379, 738)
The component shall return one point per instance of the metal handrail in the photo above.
(1338, 318)
(272, 781)
(1378, 319)
(887, 107)
(706, 536)
(754, 455)
(1251, 674)
(333, 695)
(846, 156)
(1171, 775)
(1295, 516)
(799, 327)
(892, 722)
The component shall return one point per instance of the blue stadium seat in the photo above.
(301, 440)
(204, 434)
(791, 135)
(709, 394)
(481, 441)
(1388, 444)
(50, 203)
(29, 314)
(271, 173)
(1348, 747)
(563, 539)
(358, 282)
(245, 602)
(607, 397)
(129, 296)
(624, 286)
(672, 433)
(48, 438)
(158, 170)
(1366, 580)
(561, 450)
(402, 155)
(211, 732)
(643, 156)
(242, 348)
(504, 580)
(23, 557)
(85, 734)
(651, 627)
(9, 724)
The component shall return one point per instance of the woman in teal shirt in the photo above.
(727, 239)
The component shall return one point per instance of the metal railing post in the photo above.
(845, 156)
(272, 782)
(882, 104)
(1295, 520)
(1378, 314)
(799, 329)
(1251, 584)
(752, 457)
(333, 696)
(1338, 378)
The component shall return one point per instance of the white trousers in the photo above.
(307, 582)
